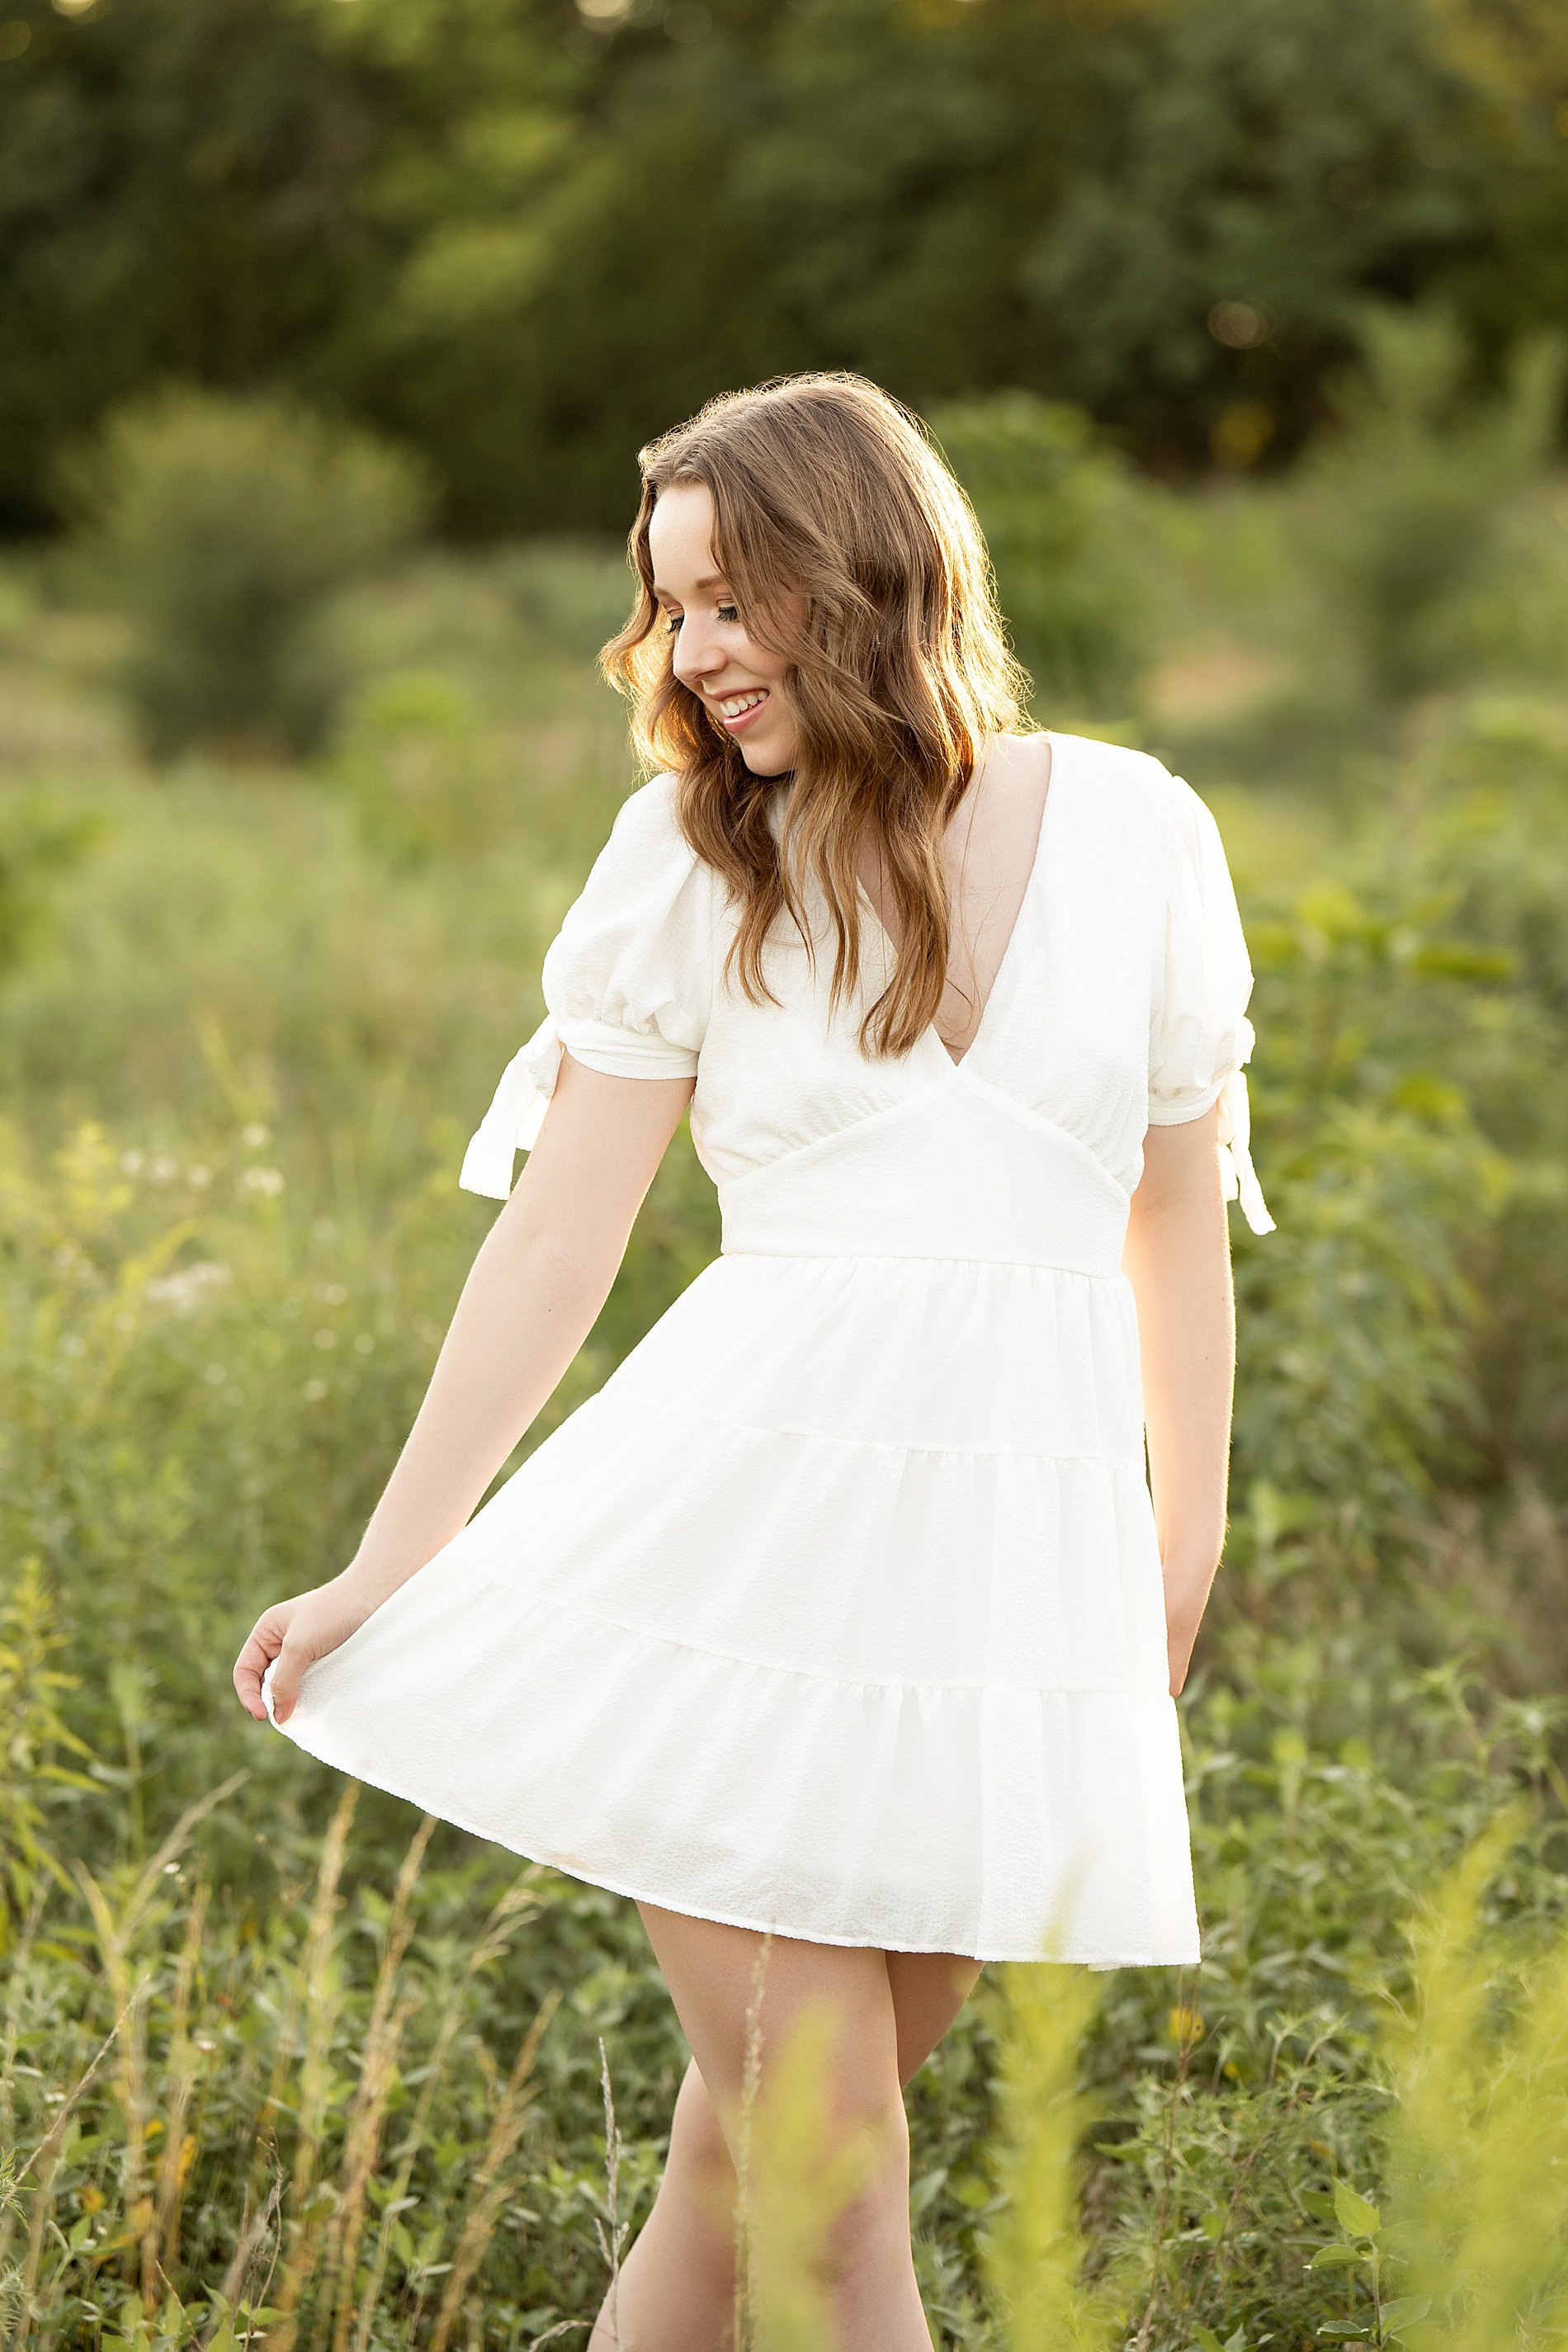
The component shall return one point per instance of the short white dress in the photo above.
(837, 1610)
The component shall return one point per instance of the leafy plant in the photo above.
(1403, 509)
(1036, 2254)
(34, 1745)
(1478, 2203)
(226, 526)
(1359, 2251)
(1058, 507)
(422, 774)
(39, 840)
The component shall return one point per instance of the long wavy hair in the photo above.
(828, 490)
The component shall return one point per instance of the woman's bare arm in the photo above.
(1178, 1261)
(533, 1296)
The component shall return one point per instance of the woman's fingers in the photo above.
(292, 1660)
(287, 1639)
(266, 1643)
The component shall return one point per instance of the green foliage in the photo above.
(1478, 2209)
(1471, 2231)
(227, 526)
(1059, 512)
(308, 2059)
(571, 594)
(1405, 507)
(1035, 2255)
(1202, 269)
(439, 218)
(419, 769)
(1406, 1334)
(36, 1737)
(1331, 1786)
(39, 840)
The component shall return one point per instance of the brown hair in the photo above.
(826, 487)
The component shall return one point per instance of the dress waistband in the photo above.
(940, 1177)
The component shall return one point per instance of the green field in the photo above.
(258, 2042)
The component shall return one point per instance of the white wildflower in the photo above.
(190, 1286)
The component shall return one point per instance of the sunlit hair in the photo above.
(826, 490)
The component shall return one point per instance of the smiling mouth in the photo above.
(733, 709)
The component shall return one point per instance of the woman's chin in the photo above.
(768, 758)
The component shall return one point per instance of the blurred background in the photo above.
(329, 330)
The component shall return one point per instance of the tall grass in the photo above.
(1035, 2258)
(801, 2169)
(1464, 2250)
(1478, 2205)
(1467, 2251)
(342, 2095)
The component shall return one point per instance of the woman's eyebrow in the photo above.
(714, 579)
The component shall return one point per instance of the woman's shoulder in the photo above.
(648, 817)
(1131, 777)
(1132, 793)
(647, 883)
(644, 847)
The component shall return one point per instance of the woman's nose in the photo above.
(696, 655)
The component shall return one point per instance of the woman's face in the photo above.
(739, 684)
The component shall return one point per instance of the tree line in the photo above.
(521, 235)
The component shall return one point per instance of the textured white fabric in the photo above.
(837, 1610)
(627, 980)
(1204, 1034)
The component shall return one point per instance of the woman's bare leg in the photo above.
(928, 1990)
(713, 1977)
(677, 2287)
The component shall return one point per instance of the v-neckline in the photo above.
(931, 1034)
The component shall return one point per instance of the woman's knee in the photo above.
(797, 2046)
(743, 2000)
(698, 2176)
(869, 2225)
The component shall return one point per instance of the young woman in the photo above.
(840, 1626)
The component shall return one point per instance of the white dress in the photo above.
(837, 1610)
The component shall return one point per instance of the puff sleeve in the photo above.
(627, 980)
(1201, 1035)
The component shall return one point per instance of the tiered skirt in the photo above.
(836, 1612)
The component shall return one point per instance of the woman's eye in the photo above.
(671, 623)
(728, 612)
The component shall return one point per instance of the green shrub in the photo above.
(37, 841)
(1058, 508)
(572, 593)
(1404, 510)
(1477, 2214)
(17, 606)
(224, 528)
(424, 777)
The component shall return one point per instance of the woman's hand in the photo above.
(290, 1637)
